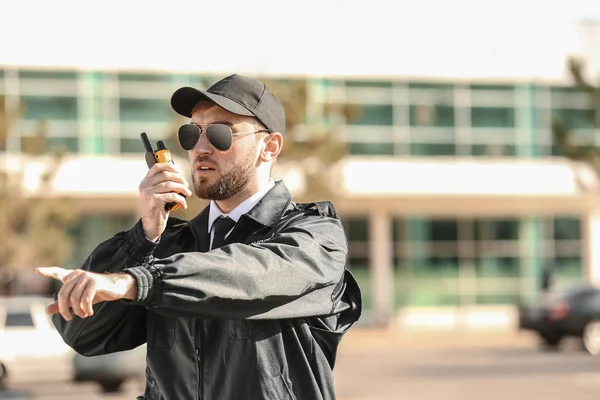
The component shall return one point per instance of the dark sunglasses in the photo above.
(220, 136)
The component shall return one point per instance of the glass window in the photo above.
(18, 319)
(499, 88)
(430, 85)
(368, 84)
(575, 119)
(131, 145)
(69, 144)
(42, 108)
(433, 149)
(371, 148)
(494, 150)
(140, 110)
(370, 114)
(432, 115)
(493, 117)
(46, 74)
(491, 266)
(127, 77)
(497, 229)
(443, 230)
(357, 229)
(567, 228)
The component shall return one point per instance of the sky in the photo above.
(511, 38)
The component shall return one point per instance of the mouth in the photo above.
(204, 170)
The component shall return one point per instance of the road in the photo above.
(376, 366)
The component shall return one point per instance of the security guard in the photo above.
(249, 299)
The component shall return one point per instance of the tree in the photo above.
(34, 225)
(311, 142)
(562, 132)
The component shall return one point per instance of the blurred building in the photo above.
(452, 193)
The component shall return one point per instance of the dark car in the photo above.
(573, 313)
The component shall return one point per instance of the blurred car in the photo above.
(572, 313)
(111, 370)
(27, 333)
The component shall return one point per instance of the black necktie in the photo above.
(222, 225)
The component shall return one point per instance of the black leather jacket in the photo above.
(259, 318)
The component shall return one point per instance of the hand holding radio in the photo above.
(162, 190)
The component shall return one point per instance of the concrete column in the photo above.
(381, 267)
(90, 123)
(590, 236)
(530, 246)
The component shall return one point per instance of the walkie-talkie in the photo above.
(162, 154)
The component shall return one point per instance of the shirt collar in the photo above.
(245, 206)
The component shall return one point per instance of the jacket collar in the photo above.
(266, 213)
(270, 208)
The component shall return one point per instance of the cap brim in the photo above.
(185, 98)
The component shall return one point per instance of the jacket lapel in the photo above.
(264, 214)
(199, 226)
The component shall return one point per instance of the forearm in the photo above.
(292, 276)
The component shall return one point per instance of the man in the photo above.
(249, 299)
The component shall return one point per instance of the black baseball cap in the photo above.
(237, 94)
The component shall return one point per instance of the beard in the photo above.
(231, 182)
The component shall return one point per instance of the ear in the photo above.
(272, 144)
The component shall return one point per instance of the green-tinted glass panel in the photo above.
(370, 114)
(433, 149)
(497, 229)
(144, 110)
(397, 229)
(432, 115)
(370, 148)
(560, 90)
(357, 229)
(567, 228)
(575, 119)
(443, 230)
(498, 88)
(497, 266)
(492, 117)
(569, 266)
(43, 108)
(62, 144)
(430, 85)
(132, 145)
(494, 150)
(127, 77)
(47, 74)
(368, 84)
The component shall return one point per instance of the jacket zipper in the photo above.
(197, 344)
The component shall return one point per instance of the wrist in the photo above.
(126, 285)
(151, 236)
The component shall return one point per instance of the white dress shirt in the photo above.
(235, 214)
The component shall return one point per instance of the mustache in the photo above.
(201, 159)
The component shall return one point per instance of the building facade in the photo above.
(452, 193)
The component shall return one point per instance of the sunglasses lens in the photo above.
(220, 136)
(188, 136)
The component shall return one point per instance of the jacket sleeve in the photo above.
(299, 272)
(115, 326)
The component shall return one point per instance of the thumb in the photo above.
(53, 272)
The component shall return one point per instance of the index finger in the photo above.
(53, 272)
(161, 167)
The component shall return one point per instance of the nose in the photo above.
(203, 146)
